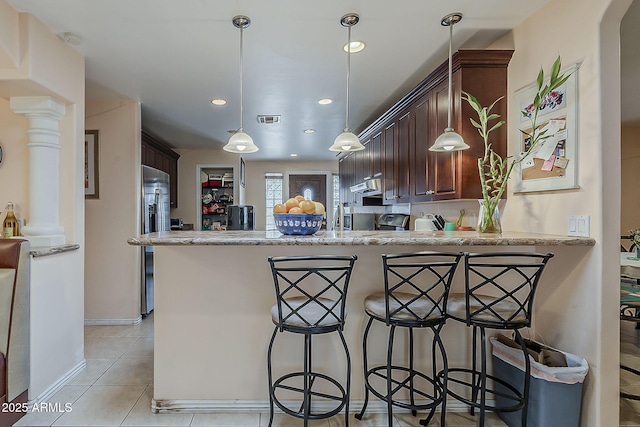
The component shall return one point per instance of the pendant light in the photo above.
(347, 140)
(449, 140)
(241, 142)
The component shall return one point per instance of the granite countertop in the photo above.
(40, 251)
(356, 238)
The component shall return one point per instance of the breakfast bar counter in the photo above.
(214, 292)
(356, 238)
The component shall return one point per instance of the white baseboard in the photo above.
(168, 406)
(112, 322)
(46, 395)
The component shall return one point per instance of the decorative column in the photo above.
(44, 112)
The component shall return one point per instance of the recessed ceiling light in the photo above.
(356, 46)
(325, 101)
(293, 155)
(218, 101)
(309, 131)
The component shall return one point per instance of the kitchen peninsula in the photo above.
(214, 291)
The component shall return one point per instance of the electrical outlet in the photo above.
(578, 225)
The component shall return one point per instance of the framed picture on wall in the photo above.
(91, 162)
(552, 164)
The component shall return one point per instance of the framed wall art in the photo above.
(91, 162)
(552, 164)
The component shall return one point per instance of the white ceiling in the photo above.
(174, 56)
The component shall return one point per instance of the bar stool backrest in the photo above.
(311, 291)
(417, 285)
(500, 287)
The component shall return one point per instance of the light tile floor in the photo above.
(115, 389)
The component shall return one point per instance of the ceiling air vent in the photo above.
(268, 120)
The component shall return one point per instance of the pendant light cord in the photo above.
(450, 73)
(346, 126)
(241, 70)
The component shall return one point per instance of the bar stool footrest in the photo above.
(282, 383)
(516, 395)
(434, 398)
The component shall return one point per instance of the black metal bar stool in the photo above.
(499, 292)
(311, 296)
(416, 287)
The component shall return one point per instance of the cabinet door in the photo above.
(421, 185)
(376, 153)
(347, 178)
(405, 136)
(150, 157)
(443, 173)
(388, 178)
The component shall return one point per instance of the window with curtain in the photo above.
(273, 196)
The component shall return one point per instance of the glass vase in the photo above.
(489, 217)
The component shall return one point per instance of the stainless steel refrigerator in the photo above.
(155, 217)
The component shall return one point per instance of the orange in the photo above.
(295, 210)
(299, 198)
(308, 206)
(319, 208)
(279, 208)
(291, 203)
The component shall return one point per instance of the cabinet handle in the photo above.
(430, 192)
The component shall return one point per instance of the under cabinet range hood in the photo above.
(371, 186)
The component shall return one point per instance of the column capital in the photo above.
(38, 105)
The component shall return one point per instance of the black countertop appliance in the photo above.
(398, 222)
(240, 217)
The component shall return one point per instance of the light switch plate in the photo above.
(578, 225)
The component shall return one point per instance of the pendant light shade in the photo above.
(449, 140)
(241, 142)
(347, 140)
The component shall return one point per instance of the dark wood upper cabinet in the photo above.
(159, 155)
(389, 189)
(420, 179)
(402, 157)
(400, 138)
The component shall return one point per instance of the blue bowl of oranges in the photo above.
(298, 216)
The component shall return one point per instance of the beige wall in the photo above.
(581, 315)
(35, 62)
(112, 267)
(630, 180)
(254, 191)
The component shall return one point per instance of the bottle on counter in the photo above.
(10, 224)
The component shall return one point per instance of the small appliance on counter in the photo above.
(398, 222)
(429, 222)
(240, 217)
(177, 224)
(359, 221)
